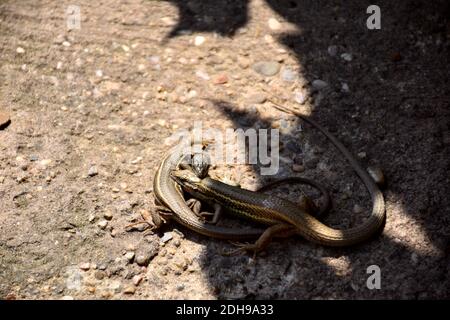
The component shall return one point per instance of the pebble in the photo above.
(66, 43)
(414, 258)
(300, 97)
(298, 167)
(4, 118)
(362, 155)
(199, 40)
(357, 209)
(20, 50)
(256, 98)
(67, 298)
(142, 259)
(243, 62)
(108, 215)
(99, 73)
(267, 68)
(102, 224)
(92, 171)
(332, 50)
(99, 275)
(129, 289)
(345, 87)
(137, 279)
(202, 74)
(347, 57)
(129, 256)
(221, 79)
(166, 237)
(85, 266)
(180, 287)
(288, 75)
(319, 84)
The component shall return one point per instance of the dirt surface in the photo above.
(91, 111)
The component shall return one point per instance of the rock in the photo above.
(288, 75)
(108, 215)
(362, 155)
(357, 209)
(347, 57)
(180, 287)
(129, 289)
(256, 98)
(92, 171)
(102, 224)
(85, 266)
(99, 275)
(199, 40)
(4, 119)
(345, 87)
(319, 84)
(221, 79)
(66, 43)
(243, 62)
(143, 259)
(202, 75)
(99, 73)
(332, 51)
(166, 237)
(67, 298)
(300, 97)
(116, 286)
(20, 50)
(129, 256)
(137, 279)
(267, 68)
(274, 24)
(298, 167)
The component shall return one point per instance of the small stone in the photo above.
(66, 43)
(298, 167)
(129, 290)
(288, 75)
(85, 266)
(300, 97)
(20, 50)
(345, 87)
(137, 279)
(180, 287)
(319, 84)
(199, 40)
(347, 57)
(4, 119)
(59, 65)
(142, 259)
(221, 79)
(267, 68)
(99, 73)
(67, 298)
(414, 258)
(256, 98)
(357, 209)
(202, 75)
(362, 155)
(166, 237)
(102, 224)
(92, 171)
(312, 163)
(332, 51)
(129, 256)
(45, 162)
(108, 215)
(274, 24)
(243, 62)
(99, 275)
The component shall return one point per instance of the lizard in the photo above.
(281, 214)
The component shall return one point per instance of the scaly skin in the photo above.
(281, 213)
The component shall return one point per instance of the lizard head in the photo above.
(186, 179)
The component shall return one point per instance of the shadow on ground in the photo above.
(397, 112)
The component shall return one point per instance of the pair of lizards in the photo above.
(283, 217)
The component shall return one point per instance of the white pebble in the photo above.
(199, 40)
(319, 84)
(347, 57)
(20, 50)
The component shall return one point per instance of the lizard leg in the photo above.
(195, 206)
(277, 230)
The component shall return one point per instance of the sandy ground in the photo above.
(92, 110)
